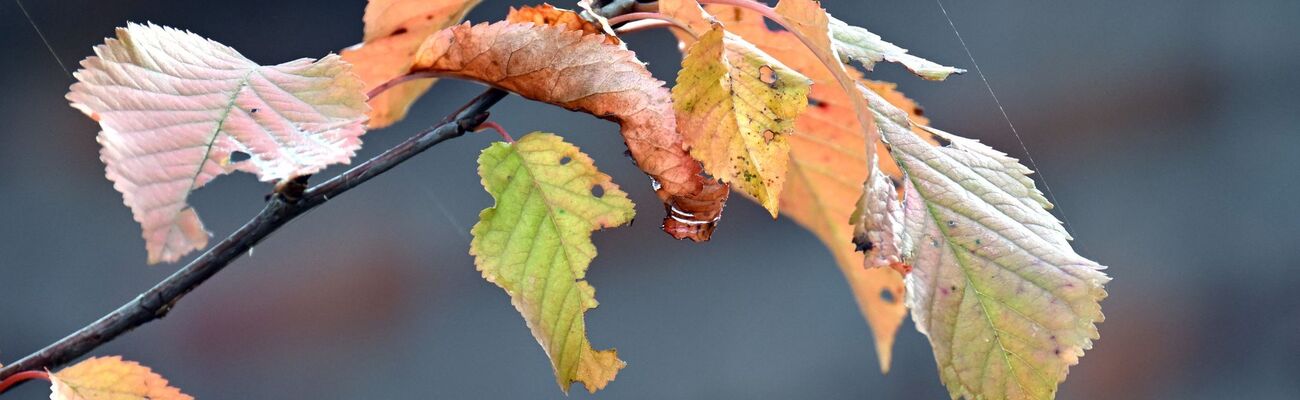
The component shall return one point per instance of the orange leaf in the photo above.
(111, 378)
(547, 14)
(394, 30)
(827, 167)
(584, 73)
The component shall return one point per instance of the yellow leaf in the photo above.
(689, 13)
(735, 106)
(535, 243)
(394, 30)
(827, 168)
(111, 378)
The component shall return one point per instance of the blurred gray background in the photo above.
(1168, 130)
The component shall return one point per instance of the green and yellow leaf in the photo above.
(1006, 302)
(735, 106)
(111, 378)
(535, 243)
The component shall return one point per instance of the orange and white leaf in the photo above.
(111, 378)
(174, 107)
(827, 168)
(582, 72)
(735, 106)
(394, 29)
(547, 14)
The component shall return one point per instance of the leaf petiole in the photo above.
(497, 127)
(21, 377)
(658, 19)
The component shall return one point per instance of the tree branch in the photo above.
(290, 200)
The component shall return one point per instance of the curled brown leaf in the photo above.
(582, 72)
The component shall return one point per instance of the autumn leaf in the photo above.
(584, 73)
(735, 106)
(177, 109)
(878, 223)
(855, 43)
(547, 14)
(826, 170)
(394, 30)
(536, 244)
(1006, 302)
(690, 14)
(111, 378)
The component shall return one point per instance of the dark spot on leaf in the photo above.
(253, 111)
(239, 156)
(918, 110)
(767, 75)
(598, 191)
(953, 288)
(952, 224)
(1057, 351)
(565, 160)
(400, 31)
(887, 296)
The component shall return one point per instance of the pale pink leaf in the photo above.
(174, 107)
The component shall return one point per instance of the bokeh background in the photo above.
(1167, 129)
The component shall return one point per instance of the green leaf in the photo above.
(536, 244)
(735, 106)
(1006, 302)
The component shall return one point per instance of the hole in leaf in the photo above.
(769, 136)
(239, 156)
(773, 26)
(598, 191)
(942, 141)
(565, 160)
(817, 103)
(767, 75)
(887, 296)
(252, 111)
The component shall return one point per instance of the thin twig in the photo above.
(280, 209)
